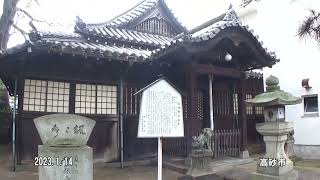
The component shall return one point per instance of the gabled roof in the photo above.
(132, 15)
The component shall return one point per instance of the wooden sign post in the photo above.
(161, 114)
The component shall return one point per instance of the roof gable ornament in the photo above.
(245, 3)
(231, 15)
(79, 23)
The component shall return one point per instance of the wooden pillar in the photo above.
(19, 119)
(190, 128)
(242, 115)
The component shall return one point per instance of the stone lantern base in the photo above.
(275, 164)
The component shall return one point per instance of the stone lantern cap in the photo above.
(273, 95)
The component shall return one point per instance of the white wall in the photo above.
(276, 22)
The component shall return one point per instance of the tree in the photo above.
(6, 21)
(10, 15)
(310, 27)
(4, 99)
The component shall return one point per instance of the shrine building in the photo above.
(96, 70)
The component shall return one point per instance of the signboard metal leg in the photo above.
(211, 101)
(159, 158)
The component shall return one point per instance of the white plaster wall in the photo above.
(276, 22)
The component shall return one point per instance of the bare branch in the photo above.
(24, 33)
(28, 15)
(37, 2)
(30, 2)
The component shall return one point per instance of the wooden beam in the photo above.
(217, 71)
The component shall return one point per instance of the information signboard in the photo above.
(161, 113)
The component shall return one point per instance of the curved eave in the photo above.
(238, 34)
(208, 40)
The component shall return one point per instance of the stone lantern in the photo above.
(275, 130)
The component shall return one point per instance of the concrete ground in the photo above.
(28, 172)
(308, 170)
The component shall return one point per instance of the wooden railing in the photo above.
(226, 143)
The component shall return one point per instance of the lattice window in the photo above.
(131, 101)
(46, 96)
(200, 113)
(156, 26)
(34, 95)
(58, 97)
(85, 99)
(249, 108)
(185, 112)
(96, 99)
(106, 99)
(235, 103)
(259, 110)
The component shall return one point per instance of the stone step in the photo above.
(174, 166)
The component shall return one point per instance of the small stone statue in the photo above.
(201, 156)
(202, 142)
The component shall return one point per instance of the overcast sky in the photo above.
(190, 12)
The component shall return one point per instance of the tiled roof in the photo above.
(83, 47)
(130, 44)
(126, 35)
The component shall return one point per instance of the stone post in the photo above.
(64, 154)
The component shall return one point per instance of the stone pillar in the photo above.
(289, 146)
(64, 154)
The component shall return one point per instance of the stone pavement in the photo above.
(308, 170)
(27, 172)
(244, 172)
